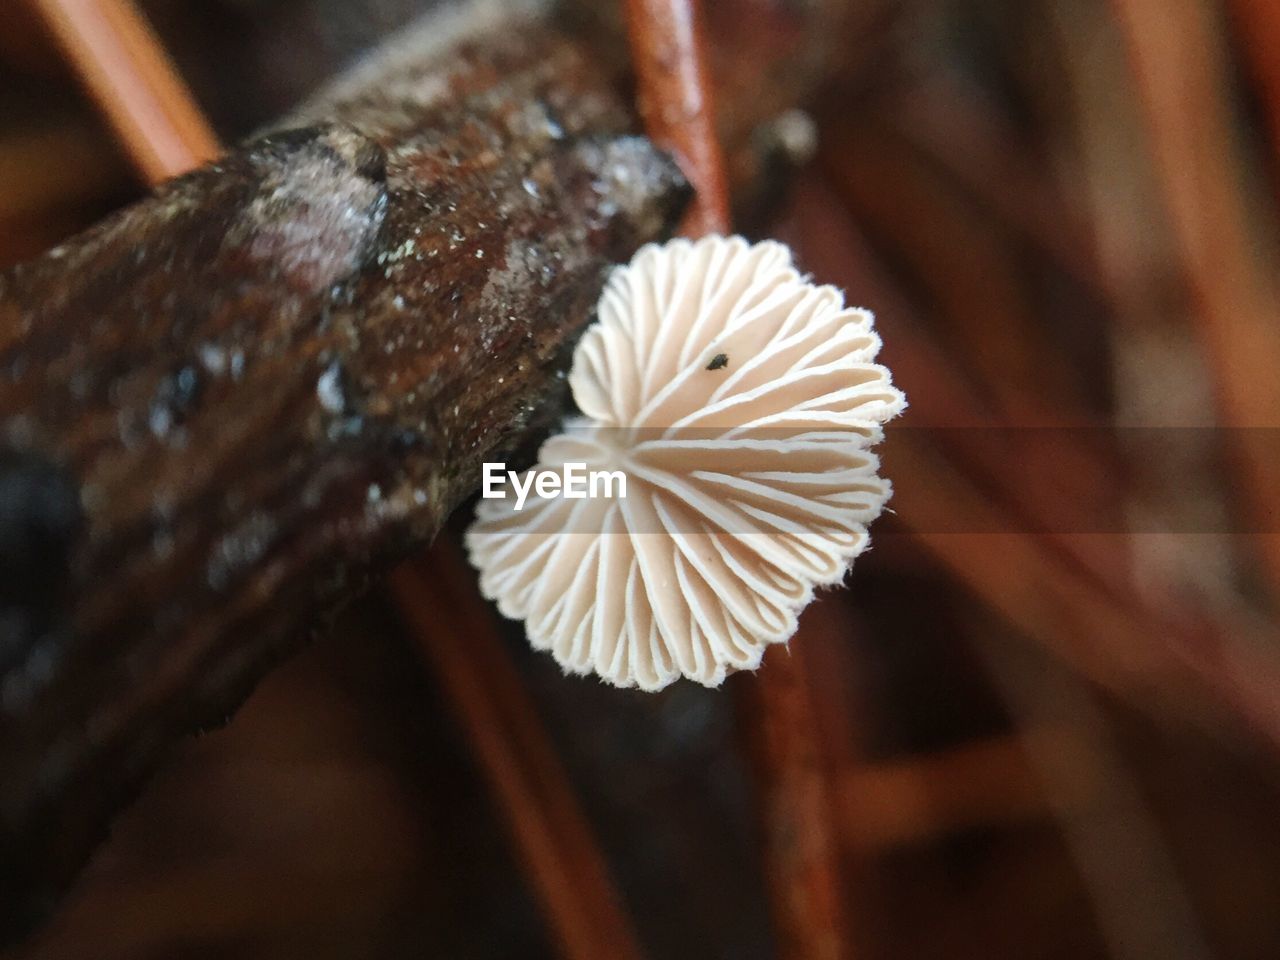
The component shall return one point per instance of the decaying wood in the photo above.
(223, 405)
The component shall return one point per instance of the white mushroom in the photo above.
(741, 402)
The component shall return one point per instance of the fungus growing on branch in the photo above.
(741, 403)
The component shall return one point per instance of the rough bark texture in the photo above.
(223, 408)
(225, 404)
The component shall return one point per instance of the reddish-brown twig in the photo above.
(1187, 669)
(1069, 593)
(1050, 487)
(965, 138)
(801, 837)
(456, 634)
(133, 82)
(1178, 62)
(920, 798)
(677, 105)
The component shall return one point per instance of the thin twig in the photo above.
(456, 634)
(1190, 670)
(921, 798)
(676, 102)
(801, 838)
(1069, 593)
(1049, 490)
(961, 134)
(1106, 822)
(1177, 58)
(801, 835)
(128, 73)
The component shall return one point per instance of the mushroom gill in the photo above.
(740, 402)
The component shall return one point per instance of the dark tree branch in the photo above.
(223, 408)
(225, 403)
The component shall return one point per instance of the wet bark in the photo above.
(225, 406)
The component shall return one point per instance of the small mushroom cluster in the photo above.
(741, 403)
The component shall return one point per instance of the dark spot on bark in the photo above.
(174, 400)
(40, 518)
(409, 441)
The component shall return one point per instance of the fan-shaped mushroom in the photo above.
(741, 403)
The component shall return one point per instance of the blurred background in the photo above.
(1044, 718)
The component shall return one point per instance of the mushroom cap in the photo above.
(741, 403)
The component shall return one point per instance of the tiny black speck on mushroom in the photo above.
(718, 362)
